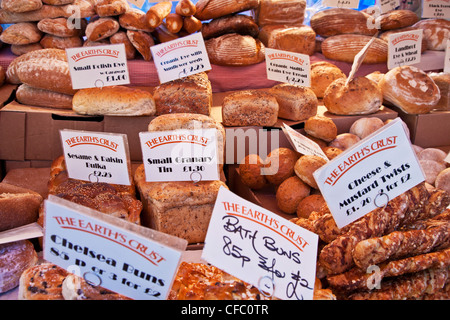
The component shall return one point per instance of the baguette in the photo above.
(157, 13)
(174, 22)
(185, 8)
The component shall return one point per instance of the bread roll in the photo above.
(331, 152)
(174, 22)
(134, 19)
(114, 100)
(321, 127)
(43, 98)
(235, 50)
(51, 41)
(42, 282)
(397, 19)
(21, 33)
(322, 74)
(344, 141)
(305, 166)
(279, 165)
(309, 204)
(270, 12)
(434, 154)
(157, 13)
(431, 169)
(121, 37)
(294, 102)
(251, 172)
(60, 27)
(335, 21)
(108, 8)
(101, 28)
(299, 39)
(443, 180)
(15, 258)
(436, 32)
(359, 96)
(170, 97)
(20, 5)
(365, 126)
(238, 23)
(211, 9)
(249, 108)
(48, 74)
(410, 89)
(20, 49)
(191, 24)
(142, 41)
(345, 47)
(185, 8)
(442, 80)
(18, 206)
(289, 194)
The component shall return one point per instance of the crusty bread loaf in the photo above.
(436, 32)
(170, 97)
(121, 37)
(295, 103)
(142, 41)
(360, 96)
(345, 47)
(48, 74)
(101, 28)
(182, 209)
(15, 258)
(271, 12)
(334, 21)
(114, 100)
(42, 282)
(442, 80)
(397, 19)
(211, 9)
(21, 33)
(235, 50)
(108, 8)
(18, 206)
(61, 27)
(21, 5)
(299, 39)
(322, 74)
(11, 71)
(238, 23)
(51, 41)
(43, 98)
(410, 89)
(385, 36)
(249, 108)
(134, 19)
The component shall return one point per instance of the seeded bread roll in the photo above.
(295, 102)
(322, 74)
(114, 100)
(410, 89)
(249, 108)
(21, 33)
(43, 98)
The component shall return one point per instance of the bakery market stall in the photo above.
(121, 180)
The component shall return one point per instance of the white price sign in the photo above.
(96, 156)
(303, 144)
(288, 67)
(98, 66)
(387, 5)
(439, 9)
(261, 248)
(180, 57)
(404, 48)
(134, 261)
(181, 155)
(377, 169)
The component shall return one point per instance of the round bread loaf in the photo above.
(101, 28)
(344, 141)
(21, 33)
(397, 19)
(309, 204)
(15, 258)
(321, 127)
(114, 100)
(305, 167)
(360, 96)
(251, 172)
(322, 74)
(443, 180)
(294, 102)
(385, 36)
(299, 39)
(289, 194)
(436, 32)
(235, 50)
(410, 89)
(279, 165)
(365, 126)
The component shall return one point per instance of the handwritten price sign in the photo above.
(261, 248)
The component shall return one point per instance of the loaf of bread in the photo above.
(322, 74)
(61, 27)
(191, 24)
(442, 80)
(299, 39)
(235, 50)
(385, 36)
(142, 41)
(238, 23)
(43, 98)
(114, 101)
(174, 22)
(211, 9)
(51, 41)
(109, 8)
(21, 5)
(157, 13)
(335, 21)
(170, 97)
(121, 37)
(321, 127)
(182, 209)
(249, 108)
(134, 19)
(162, 35)
(15, 258)
(410, 89)
(366, 126)
(101, 28)
(344, 141)
(21, 33)
(295, 103)
(287, 12)
(397, 19)
(345, 47)
(436, 32)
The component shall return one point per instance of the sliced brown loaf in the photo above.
(211, 9)
(249, 108)
(43, 98)
(299, 39)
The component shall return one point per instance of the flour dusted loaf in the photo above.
(182, 209)
(436, 32)
(21, 33)
(114, 100)
(249, 108)
(191, 94)
(442, 80)
(410, 89)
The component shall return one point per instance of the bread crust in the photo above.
(21, 5)
(109, 8)
(60, 27)
(321, 127)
